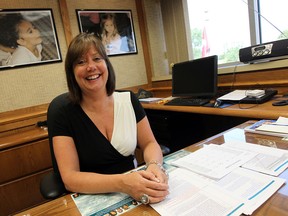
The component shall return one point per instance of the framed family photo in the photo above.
(113, 27)
(28, 37)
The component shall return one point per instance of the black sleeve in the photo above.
(57, 116)
(138, 109)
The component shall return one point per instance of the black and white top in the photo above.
(95, 152)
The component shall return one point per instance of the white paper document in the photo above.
(189, 196)
(241, 191)
(271, 161)
(252, 187)
(281, 121)
(150, 99)
(214, 161)
(235, 95)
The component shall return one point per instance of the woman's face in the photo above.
(28, 34)
(91, 72)
(109, 26)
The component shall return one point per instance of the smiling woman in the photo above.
(85, 60)
(96, 130)
(91, 72)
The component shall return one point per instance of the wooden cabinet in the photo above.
(24, 160)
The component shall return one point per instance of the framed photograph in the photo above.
(28, 37)
(113, 27)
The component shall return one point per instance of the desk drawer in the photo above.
(23, 193)
(24, 160)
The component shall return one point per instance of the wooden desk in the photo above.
(178, 126)
(276, 205)
(251, 111)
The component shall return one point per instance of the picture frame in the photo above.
(28, 37)
(113, 27)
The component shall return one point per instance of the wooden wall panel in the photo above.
(276, 78)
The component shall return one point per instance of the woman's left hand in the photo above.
(158, 171)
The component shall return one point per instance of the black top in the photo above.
(95, 152)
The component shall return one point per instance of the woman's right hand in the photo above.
(136, 184)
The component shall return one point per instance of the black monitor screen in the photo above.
(195, 78)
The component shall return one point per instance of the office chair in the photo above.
(51, 185)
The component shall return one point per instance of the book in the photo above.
(268, 127)
(104, 204)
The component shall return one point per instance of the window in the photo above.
(223, 27)
(273, 24)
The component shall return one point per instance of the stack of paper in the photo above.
(271, 161)
(217, 182)
(241, 191)
(277, 127)
(214, 161)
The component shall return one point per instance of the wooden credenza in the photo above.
(24, 158)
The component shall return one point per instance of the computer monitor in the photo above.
(196, 78)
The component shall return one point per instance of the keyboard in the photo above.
(188, 102)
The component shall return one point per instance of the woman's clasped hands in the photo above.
(147, 186)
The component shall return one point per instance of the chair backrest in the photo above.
(55, 104)
(51, 185)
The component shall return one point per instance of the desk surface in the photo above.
(251, 111)
(276, 205)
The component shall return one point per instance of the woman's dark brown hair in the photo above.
(77, 48)
(10, 33)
